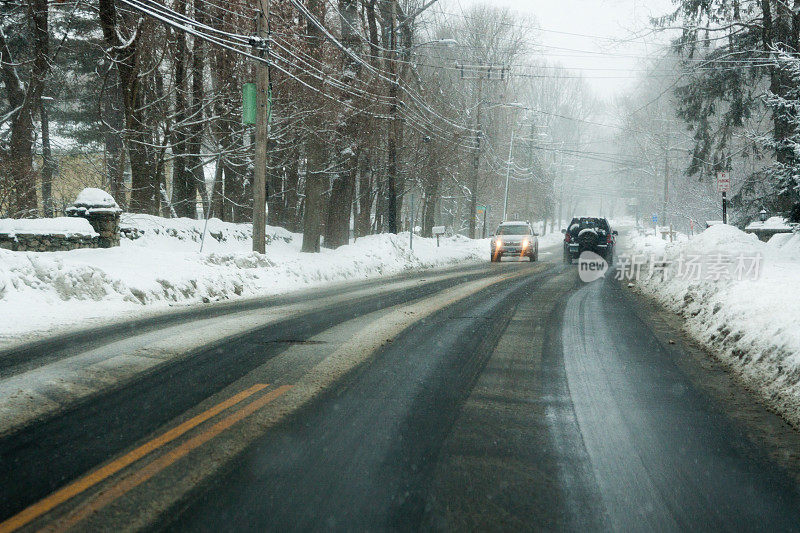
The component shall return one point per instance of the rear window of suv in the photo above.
(516, 229)
(588, 222)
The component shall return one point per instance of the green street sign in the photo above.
(250, 104)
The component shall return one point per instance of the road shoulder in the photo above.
(763, 425)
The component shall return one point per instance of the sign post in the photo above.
(438, 231)
(411, 229)
(481, 211)
(724, 186)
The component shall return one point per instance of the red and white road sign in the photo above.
(723, 182)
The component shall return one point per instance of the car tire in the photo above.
(567, 257)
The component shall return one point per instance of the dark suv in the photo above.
(588, 234)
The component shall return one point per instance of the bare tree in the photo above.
(24, 97)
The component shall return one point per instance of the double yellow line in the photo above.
(140, 476)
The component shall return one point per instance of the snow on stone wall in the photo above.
(39, 226)
(47, 234)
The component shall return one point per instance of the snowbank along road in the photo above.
(500, 396)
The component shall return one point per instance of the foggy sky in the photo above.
(608, 66)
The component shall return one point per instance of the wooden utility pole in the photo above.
(391, 147)
(666, 188)
(476, 164)
(262, 133)
(479, 73)
(508, 174)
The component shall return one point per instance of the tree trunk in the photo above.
(315, 150)
(23, 98)
(47, 161)
(144, 181)
(182, 180)
(283, 190)
(194, 163)
(429, 209)
(21, 164)
(216, 202)
(315, 186)
(290, 192)
(275, 199)
(337, 226)
(365, 196)
(113, 124)
(388, 13)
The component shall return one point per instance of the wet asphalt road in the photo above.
(535, 403)
(557, 409)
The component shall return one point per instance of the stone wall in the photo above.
(54, 242)
(107, 225)
(765, 234)
(61, 234)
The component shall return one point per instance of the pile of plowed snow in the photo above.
(749, 320)
(159, 263)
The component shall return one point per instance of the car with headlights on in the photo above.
(515, 238)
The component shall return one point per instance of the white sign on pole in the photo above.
(723, 182)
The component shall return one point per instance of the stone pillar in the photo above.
(107, 225)
(102, 212)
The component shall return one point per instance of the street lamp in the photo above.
(492, 105)
(762, 215)
(446, 42)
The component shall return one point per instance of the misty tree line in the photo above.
(723, 98)
(352, 135)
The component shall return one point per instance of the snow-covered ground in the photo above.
(160, 264)
(748, 315)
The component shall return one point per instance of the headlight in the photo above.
(525, 243)
(499, 243)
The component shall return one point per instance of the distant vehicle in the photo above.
(515, 239)
(589, 234)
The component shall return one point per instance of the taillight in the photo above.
(609, 239)
(567, 238)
